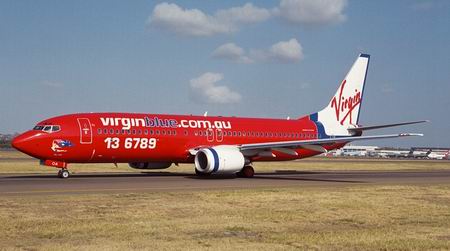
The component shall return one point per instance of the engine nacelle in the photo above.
(150, 165)
(219, 159)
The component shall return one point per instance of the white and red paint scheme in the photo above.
(213, 144)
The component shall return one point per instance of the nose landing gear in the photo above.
(63, 173)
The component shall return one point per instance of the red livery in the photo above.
(213, 144)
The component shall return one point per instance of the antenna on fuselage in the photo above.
(205, 114)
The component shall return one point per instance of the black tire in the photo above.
(63, 174)
(246, 172)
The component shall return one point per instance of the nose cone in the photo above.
(18, 141)
(26, 142)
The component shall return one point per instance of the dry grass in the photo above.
(371, 217)
(352, 218)
(16, 162)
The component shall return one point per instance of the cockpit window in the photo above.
(47, 128)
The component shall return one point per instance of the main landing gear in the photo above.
(63, 173)
(246, 172)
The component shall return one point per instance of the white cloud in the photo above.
(194, 22)
(288, 51)
(316, 12)
(284, 51)
(245, 14)
(231, 51)
(205, 90)
(186, 22)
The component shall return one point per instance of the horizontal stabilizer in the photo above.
(318, 142)
(365, 128)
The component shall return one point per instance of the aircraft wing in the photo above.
(315, 144)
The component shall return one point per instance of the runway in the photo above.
(23, 184)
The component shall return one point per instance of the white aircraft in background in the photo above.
(417, 154)
(439, 155)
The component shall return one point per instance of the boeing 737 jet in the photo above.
(216, 145)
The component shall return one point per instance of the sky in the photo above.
(256, 59)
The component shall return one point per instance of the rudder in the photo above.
(343, 110)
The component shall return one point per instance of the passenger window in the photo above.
(123, 131)
(239, 134)
(174, 132)
(151, 132)
(134, 131)
(105, 131)
(168, 132)
(185, 132)
(139, 131)
(99, 131)
(145, 132)
(111, 131)
(157, 132)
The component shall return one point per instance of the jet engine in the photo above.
(219, 159)
(150, 165)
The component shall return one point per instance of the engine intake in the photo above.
(219, 159)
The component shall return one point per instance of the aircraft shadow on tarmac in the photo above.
(102, 175)
(277, 175)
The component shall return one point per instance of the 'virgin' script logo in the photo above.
(343, 106)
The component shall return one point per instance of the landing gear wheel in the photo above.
(246, 172)
(63, 174)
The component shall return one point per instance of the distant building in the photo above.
(353, 151)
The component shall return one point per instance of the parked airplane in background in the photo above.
(439, 155)
(213, 144)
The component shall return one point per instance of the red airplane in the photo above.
(214, 144)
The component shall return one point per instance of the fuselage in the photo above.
(132, 137)
(216, 145)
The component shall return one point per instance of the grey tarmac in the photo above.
(85, 183)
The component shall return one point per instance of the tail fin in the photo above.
(343, 110)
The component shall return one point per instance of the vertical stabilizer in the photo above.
(344, 108)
